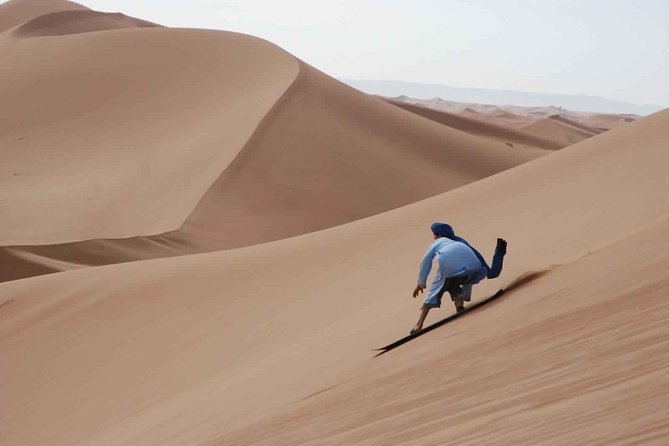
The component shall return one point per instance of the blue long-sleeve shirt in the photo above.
(453, 259)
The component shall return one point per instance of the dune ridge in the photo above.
(77, 22)
(561, 129)
(333, 295)
(16, 12)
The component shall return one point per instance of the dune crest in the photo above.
(560, 129)
(16, 12)
(77, 22)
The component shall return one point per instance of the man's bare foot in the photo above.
(460, 309)
(415, 329)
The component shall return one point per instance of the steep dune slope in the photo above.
(187, 349)
(578, 356)
(16, 12)
(343, 156)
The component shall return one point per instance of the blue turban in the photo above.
(443, 230)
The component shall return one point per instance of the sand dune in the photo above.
(572, 123)
(305, 207)
(506, 119)
(76, 22)
(479, 127)
(120, 133)
(547, 127)
(607, 122)
(191, 349)
(142, 165)
(560, 129)
(16, 12)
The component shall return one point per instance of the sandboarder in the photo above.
(460, 267)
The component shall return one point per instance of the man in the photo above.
(460, 267)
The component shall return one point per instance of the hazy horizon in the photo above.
(611, 49)
(575, 103)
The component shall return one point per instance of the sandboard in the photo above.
(429, 328)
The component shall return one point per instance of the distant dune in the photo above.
(470, 121)
(231, 233)
(500, 97)
(545, 127)
(607, 121)
(560, 129)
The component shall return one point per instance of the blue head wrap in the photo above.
(442, 229)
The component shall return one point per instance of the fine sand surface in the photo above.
(578, 356)
(222, 348)
(138, 142)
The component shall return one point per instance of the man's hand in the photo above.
(419, 289)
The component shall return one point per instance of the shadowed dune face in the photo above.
(327, 155)
(315, 306)
(76, 22)
(16, 12)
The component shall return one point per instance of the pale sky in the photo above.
(617, 49)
